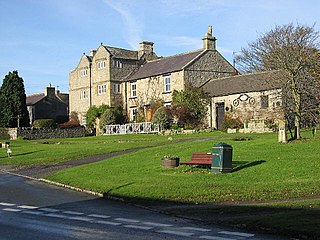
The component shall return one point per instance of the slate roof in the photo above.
(254, 82)
(122, 53)
(33, 99)
(165, 65)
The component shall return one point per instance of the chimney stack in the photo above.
(209, 41)
(50, 91)
(92, 53)
(146, 48)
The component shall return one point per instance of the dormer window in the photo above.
(101, 64)
(117, 63)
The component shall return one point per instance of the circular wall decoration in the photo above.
(243, 97)
(252, 101)
(236, 102)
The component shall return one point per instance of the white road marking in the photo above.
(237, 234)
(178, 233)
(12, 210)
(215, 238)
(56, 215)
(138, 227)
(51, 210)
(108, 223)
(196, 229)
(7, 204)
(98, 216)
(127, 220)
(157, 224)
(27, 207)
(73, 213)
(82, 219)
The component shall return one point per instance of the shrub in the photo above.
(189, 107)
(69, 124)
(93, 113)
(108, 118)
(44, 123)
(163, 117)
(230, 122)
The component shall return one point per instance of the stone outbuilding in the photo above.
(255, 99)
(48, 105)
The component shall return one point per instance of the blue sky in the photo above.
(44, 39)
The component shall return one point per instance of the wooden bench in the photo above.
(199, 158)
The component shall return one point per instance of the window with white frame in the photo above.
(101, 64)
(83, 72)
(83, 120)
(133, 114)
(117, 63)
(102, 89)
(133, 89)
(167, 84)
(116, 88)
(84, 94)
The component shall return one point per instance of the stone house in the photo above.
(113, 76)
(48, 105)
(253, 98)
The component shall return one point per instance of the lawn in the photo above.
(264, 170)
(274, 186)
(50, 151)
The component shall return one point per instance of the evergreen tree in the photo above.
(13, 107)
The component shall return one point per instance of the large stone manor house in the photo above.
(110, 75)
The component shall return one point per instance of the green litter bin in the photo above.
(221, 158)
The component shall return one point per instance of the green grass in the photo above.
(274, 187)
(50, 151)
(265, 170)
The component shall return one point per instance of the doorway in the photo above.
(220, 112)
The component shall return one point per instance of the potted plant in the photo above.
(170, 161)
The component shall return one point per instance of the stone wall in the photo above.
(211, 65)
(247, 106)
(44, 133)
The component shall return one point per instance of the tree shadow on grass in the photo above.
(26, 153)
(21, 154)
(239, 165)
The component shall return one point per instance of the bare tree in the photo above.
(294, 49)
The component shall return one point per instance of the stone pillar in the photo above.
(282, 135)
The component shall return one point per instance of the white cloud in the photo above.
(133, 28)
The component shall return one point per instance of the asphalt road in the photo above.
(31, 209)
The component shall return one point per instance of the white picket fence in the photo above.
(131, 128)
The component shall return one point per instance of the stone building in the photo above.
(113, 76)
(48, 105)
(253, 98)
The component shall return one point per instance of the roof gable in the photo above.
(254, 82)
(122, 53)
(33, 99)
(165, 65)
